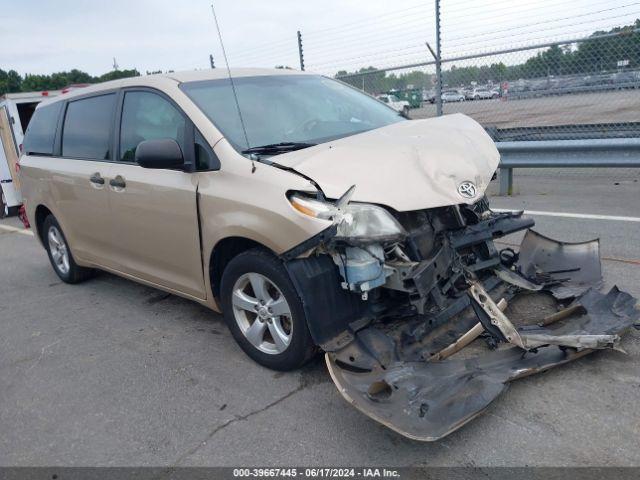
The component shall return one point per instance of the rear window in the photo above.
(87, 128)
(41, 132)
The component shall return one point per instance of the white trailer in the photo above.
(16, 110)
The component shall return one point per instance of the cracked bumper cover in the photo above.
(424, 397)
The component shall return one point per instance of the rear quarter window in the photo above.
(87, 128)
(41, 132)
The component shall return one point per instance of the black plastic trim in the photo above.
(489, 229)
(310, 243)
(329, 308)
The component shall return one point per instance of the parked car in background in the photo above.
(429, 96)
(481, 94)
(452, 96)
(394, 102)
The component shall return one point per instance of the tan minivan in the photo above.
(314, 217)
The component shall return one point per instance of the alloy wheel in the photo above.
(59, 250)
(262, 313)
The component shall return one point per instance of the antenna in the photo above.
(233, 86)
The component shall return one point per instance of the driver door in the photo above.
(155, 231)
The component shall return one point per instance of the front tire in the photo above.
(263, 311)
(60, 254)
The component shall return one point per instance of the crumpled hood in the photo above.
(409, 165)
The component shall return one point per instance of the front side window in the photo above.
(41, 132)
(148, 116)
(287, 108)
(87, 128)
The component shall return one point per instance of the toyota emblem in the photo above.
(467, 189)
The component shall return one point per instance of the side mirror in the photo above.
(160, 153)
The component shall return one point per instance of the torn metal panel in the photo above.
(589, 331)
(566, 269)
(495, 317)
(426, 401)
(405, 317)
(459, 344)
(417, 378)
(605, 318)
(515, 278)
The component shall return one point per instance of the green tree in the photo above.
(585, 58)
(9, 81)
(117, 74)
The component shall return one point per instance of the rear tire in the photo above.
(263, 311)
(60, 254)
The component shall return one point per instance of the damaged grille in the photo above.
(406, 322)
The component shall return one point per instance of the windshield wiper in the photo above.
(276, 148)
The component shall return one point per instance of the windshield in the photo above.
(287, 108)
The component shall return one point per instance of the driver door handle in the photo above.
(118, 182)
(97, 179)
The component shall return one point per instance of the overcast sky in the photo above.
(40, 36)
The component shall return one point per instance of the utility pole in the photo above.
(438, 63)
(211, 61)
(300, 53)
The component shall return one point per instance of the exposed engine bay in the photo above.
(422, 319)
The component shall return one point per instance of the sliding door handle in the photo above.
(96, 179)
(118, 182)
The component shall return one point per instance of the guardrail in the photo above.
(551, 91)
(606, 153)
(588, 131)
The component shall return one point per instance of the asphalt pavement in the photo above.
(110, 372)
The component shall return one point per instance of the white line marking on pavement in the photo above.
(23, 231)
(587, 216)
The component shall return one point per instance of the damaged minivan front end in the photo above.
(425, 319)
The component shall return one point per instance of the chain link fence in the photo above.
(552, 69)
(549, 70)
(579, 88)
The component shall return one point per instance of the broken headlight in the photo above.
(358, 221)
(369, 222)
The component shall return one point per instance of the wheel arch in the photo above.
(222, 253)
(41, 213)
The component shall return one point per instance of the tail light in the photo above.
(22, 214)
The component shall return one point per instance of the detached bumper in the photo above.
(425, 390)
